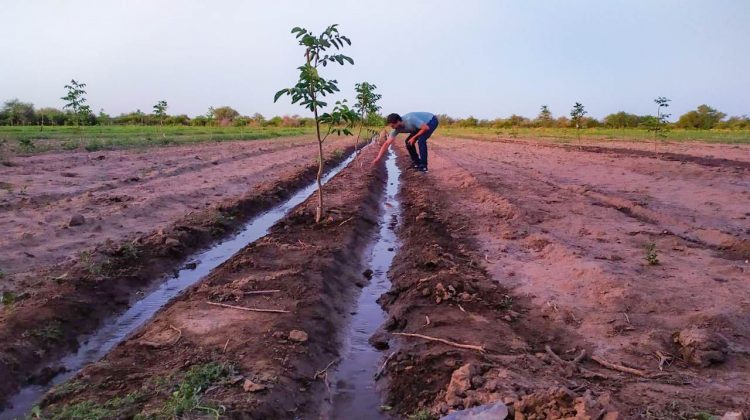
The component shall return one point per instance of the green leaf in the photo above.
(279, 94)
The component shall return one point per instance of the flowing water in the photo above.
(96, 346)
(355, 395)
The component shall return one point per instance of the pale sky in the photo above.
(472, 57)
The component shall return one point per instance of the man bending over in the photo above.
(419, 126)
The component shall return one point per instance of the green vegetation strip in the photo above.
(185, 398)
(566, 135)
(30, 139)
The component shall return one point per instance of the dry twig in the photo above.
(325, 370)
(441, 340)
(242, 308)
(621, 368)
(380, 371)
(258, 292)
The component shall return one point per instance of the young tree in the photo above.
(75, 100)
(660, 123)
(367, 104)
(160, 110)
(210, 115)
(576, 115)
(545, 117)
(311, 87)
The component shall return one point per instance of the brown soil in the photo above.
(529, 259)
(136, 230)
(514, 247)
(274, 357)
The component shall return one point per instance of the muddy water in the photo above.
(355, 395)
(116, 330)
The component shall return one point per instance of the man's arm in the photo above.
(383, 148)
(422, 129)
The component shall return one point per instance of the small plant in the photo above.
(660, 123)
(89, 262)
(67, 388)
(187, 397)
(311, 87)
(129, 251)
(26, 144)
(576, 115)
(652, 257)
(50, 333)
(506, 302)
(366, 105)
(7, 298)
(422, 415)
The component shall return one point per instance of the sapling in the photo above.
(366, 104)
(576, 115)
(545, 116)
(660, 127)
(311, 87)
(160, 110)
(75, 100)
(652, 256)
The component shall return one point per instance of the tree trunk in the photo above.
(319, 211)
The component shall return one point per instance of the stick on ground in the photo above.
(621, 368)
(258, 292)
(242, 308)
(441, 340)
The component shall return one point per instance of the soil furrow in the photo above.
(69, 300)
(265, 362)
(571, 275)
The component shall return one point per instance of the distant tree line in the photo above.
(702, 118)
(16, 112)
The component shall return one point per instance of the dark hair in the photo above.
(392, 118)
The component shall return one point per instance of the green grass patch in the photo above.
(30, 139)
(118, 407)
(186, 398)
(566, 135)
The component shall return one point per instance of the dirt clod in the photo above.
(298, 336)
(701, 347)
(250, 386)
(459, 384)
(77, 220)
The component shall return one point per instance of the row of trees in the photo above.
(702, 118)
(15, 112)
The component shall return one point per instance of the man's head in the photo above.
(394, 120)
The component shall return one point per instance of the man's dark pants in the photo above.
(421, 158)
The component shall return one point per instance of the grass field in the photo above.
(30, 139)
(569, 134)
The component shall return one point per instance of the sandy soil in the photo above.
(274, 357)
(125, 193)
(563, 233)
(523, 271)
(57, 303)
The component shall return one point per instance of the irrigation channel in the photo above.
(355, 395)
(98, 344)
